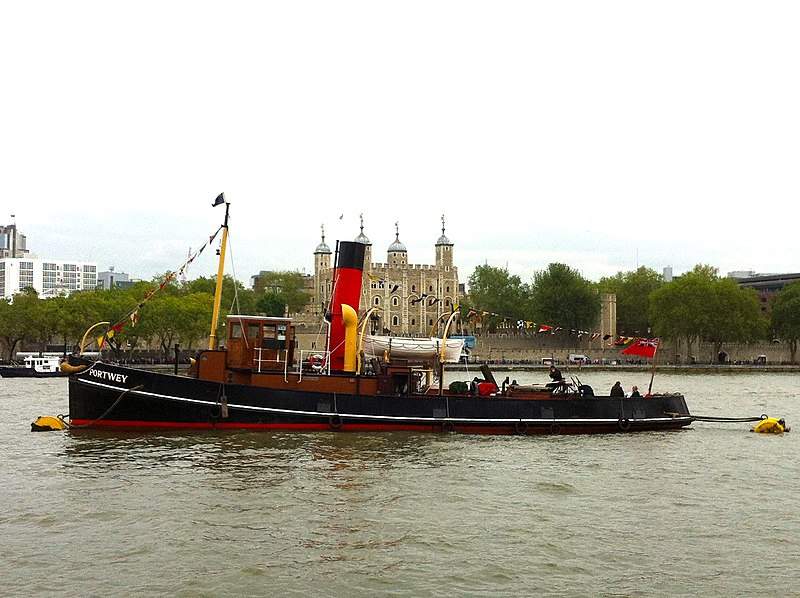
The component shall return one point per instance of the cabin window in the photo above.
(253, 330)
(236, 330)
(269, 330)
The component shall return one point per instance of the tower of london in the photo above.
(408, 299)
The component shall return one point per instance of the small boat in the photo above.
(35, 365)
(383, 347)
(260, 380)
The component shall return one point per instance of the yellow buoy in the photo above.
(771, 425)
(48, 423)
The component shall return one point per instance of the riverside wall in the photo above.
(524, 349)
(509, 348)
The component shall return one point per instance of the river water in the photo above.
(706, 511)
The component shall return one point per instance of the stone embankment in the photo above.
(533, 351)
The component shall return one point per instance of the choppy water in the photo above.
(707, 511)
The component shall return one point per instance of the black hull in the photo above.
(11, 372)
(108, 396)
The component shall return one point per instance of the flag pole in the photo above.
(220, 272)
(653, 372)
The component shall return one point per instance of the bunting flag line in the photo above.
(133, 314)
(374, 278)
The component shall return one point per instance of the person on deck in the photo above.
(616, 390)
(635, 391)
(556, 377)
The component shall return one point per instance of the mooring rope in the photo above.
(710, 418)
(107, 411)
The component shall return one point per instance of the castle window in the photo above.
(376, 301)
(413, 321)
(395, 321)
(395, 301)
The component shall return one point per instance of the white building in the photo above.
(19, 268)
(49, 277)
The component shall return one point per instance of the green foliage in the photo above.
(735, 314)
(560, 295)
(235, 299)
(166, 315)
(785, 316)
(702, 306)
(287, 288)
(271, 304)
(633, 290)
(496, 291)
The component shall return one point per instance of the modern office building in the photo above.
(19, 268)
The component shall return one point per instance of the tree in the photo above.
(288, 288)
(633, 290)
(235, 297)
(561, 296)
(271, 304)
(785, 316)
(495, 291)
(679, 309)
(702, 306)
(734, 314)
(25, 318)
(165, 315)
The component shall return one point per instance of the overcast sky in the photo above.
(604, 135)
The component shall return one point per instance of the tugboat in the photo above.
(260, 380)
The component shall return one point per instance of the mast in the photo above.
(218, 290)
(653, 372)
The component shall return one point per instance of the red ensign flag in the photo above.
(642, 347)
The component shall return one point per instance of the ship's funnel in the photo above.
(346, 289)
